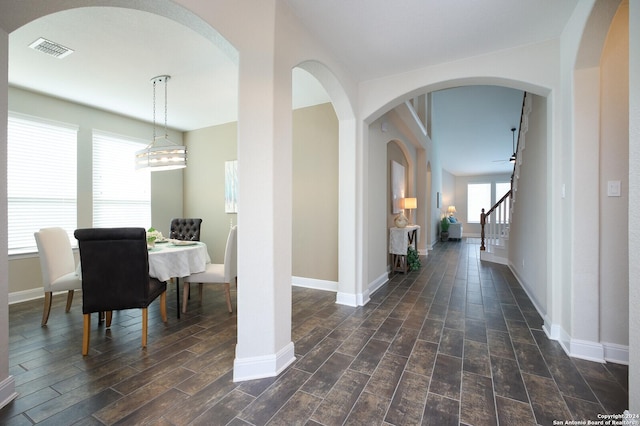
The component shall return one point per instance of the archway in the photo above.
(430, 172)
(15, 15)
(349, 285)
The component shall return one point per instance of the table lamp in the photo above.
(410, 204)
(451, 210)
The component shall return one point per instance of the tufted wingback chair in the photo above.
(186, 229)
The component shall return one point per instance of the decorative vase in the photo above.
(401, 220)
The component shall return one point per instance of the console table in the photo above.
(399, 241)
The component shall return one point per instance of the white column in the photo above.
(264, 206)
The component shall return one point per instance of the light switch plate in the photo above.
(613, 188)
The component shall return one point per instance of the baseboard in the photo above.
(576, 348)
(586, 349)
(7, 391)
(616, 353)
(351, 299)
(25, 295)
(315, 283)
(260, 367)
(378, 282)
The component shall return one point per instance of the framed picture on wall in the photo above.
(397, 186)
(231, 186)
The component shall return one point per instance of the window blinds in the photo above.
(121, 195)
(41, 181)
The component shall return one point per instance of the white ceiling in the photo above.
(374, 38)
(118, 51)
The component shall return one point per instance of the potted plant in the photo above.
(413, 259)
(444, 229)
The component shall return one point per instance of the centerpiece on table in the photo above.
(153, 235)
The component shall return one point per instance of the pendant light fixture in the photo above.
(161, 154)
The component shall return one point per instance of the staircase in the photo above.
(495, 223)
(494, 233)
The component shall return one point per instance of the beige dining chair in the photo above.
(58, 267)
(217, 273)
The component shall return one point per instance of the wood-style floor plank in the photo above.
(457, 342)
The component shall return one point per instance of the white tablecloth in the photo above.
(169, 261)
(399, 239)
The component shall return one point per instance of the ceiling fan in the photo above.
(511, 159)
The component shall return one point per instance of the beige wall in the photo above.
(315, 189)
(209, 149)
(315, 193)
(315, 184)
(394, 153)
(166, 187)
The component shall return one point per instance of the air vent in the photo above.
(50, 48)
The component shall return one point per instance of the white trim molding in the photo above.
(378, 282)
(315, 284)
(263, 366)
(25, 295)
(616, 353)
(7, 391)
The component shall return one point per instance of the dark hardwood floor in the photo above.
(457, 342)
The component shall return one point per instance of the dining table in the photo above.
(177, 259)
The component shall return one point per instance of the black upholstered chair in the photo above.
(186, 229)
(115, 276)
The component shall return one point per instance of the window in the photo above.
(41, 179)
(501, 189)
(121, 195)
(478, 198)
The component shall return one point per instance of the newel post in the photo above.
(482, 222)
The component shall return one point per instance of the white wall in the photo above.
(614, 166)
(527, 241)
(634, 205)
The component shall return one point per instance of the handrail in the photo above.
(498, 225)
(494, 208)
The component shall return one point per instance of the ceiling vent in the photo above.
(50, 48)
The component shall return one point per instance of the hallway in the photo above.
(457, 342)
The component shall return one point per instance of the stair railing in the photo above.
(497, 219)
(494, 224)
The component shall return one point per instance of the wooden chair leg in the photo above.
(185, 297)
(200, 286)
(227, 290)
(109, 316)
(47, 308)
(163, 306)
(69, 300)
(144, 327)
(86, 333)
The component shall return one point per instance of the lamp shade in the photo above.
(451, 210)
(162, 157)
(409, 203)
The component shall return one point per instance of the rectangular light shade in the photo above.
(409, 203)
